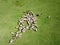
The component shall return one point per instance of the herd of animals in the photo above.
(30, 19)
(31, 24)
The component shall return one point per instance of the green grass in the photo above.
(48, 29)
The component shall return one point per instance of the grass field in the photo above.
(48, 29)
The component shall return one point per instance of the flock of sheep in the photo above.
(30, 19)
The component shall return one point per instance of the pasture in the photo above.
(48, 29)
